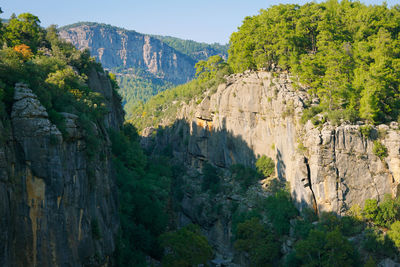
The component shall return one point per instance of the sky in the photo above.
(202, 20)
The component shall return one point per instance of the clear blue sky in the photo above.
(202, 20)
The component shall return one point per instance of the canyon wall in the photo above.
(58, 207)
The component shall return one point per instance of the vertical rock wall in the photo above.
(57, 206)
(328, 167)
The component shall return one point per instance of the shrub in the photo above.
(366, 131)
(380, 150)
(394, 233)
(265, 165)
(370, 209)
(259, 242)
(244, 175)
(325, 248)
(185, 247)
(280, 209)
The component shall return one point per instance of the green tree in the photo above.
(265, 165)
(370, 210)
(326, 249)
(280, 209)
(25, 29)
(185, 247)
(259, 242)
(394, 233)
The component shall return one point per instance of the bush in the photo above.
(366, 131)
(259, 242)
(244, 175)
(265, 165)
(380, 150)
(326, 248)
(185, 247)
(394, 233)
(383, 214)
(280, 209)
(377, 243)
(370, 209)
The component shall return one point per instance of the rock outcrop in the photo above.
(330, 168)
(57, 206)
(115, 47)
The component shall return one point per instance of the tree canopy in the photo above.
(347, 53)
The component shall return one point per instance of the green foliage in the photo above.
(24, 29)
(394, 233)
(211, 178)
(383, 214)
(56, 72)
(380, 150)
(378, 243)
(144, 186)
(185, 247)
(280, 209)
(265, 165)
(346, 58)
(244, 175)
(258, 241)
(208, 69)
(326, 248)
(370, 209)
(366, 131)
(163, 107)
(197, 51)
(136, 85)
(309, 114)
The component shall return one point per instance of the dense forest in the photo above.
(197, 51)
(348, 54)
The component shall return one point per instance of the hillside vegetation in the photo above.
(197, 51)
(164, 106)
(54, 70)
(347, 53)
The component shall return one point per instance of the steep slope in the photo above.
(59, 208)
(195, 50)
(145, 65)
(58, 192)
(115, 47)
(330, 168)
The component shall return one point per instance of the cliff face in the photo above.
(328, 167)
(115, 47)
(58, 207)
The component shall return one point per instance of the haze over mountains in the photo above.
(144, 64)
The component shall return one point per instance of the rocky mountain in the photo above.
(327, 167)
(58, 207)
(258, 113)
(144, 64)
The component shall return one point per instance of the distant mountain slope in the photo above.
(115, 47)
(195, 50)
(144, 64)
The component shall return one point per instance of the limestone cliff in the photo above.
(58, 207)
(328, 167)
(115, 47)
